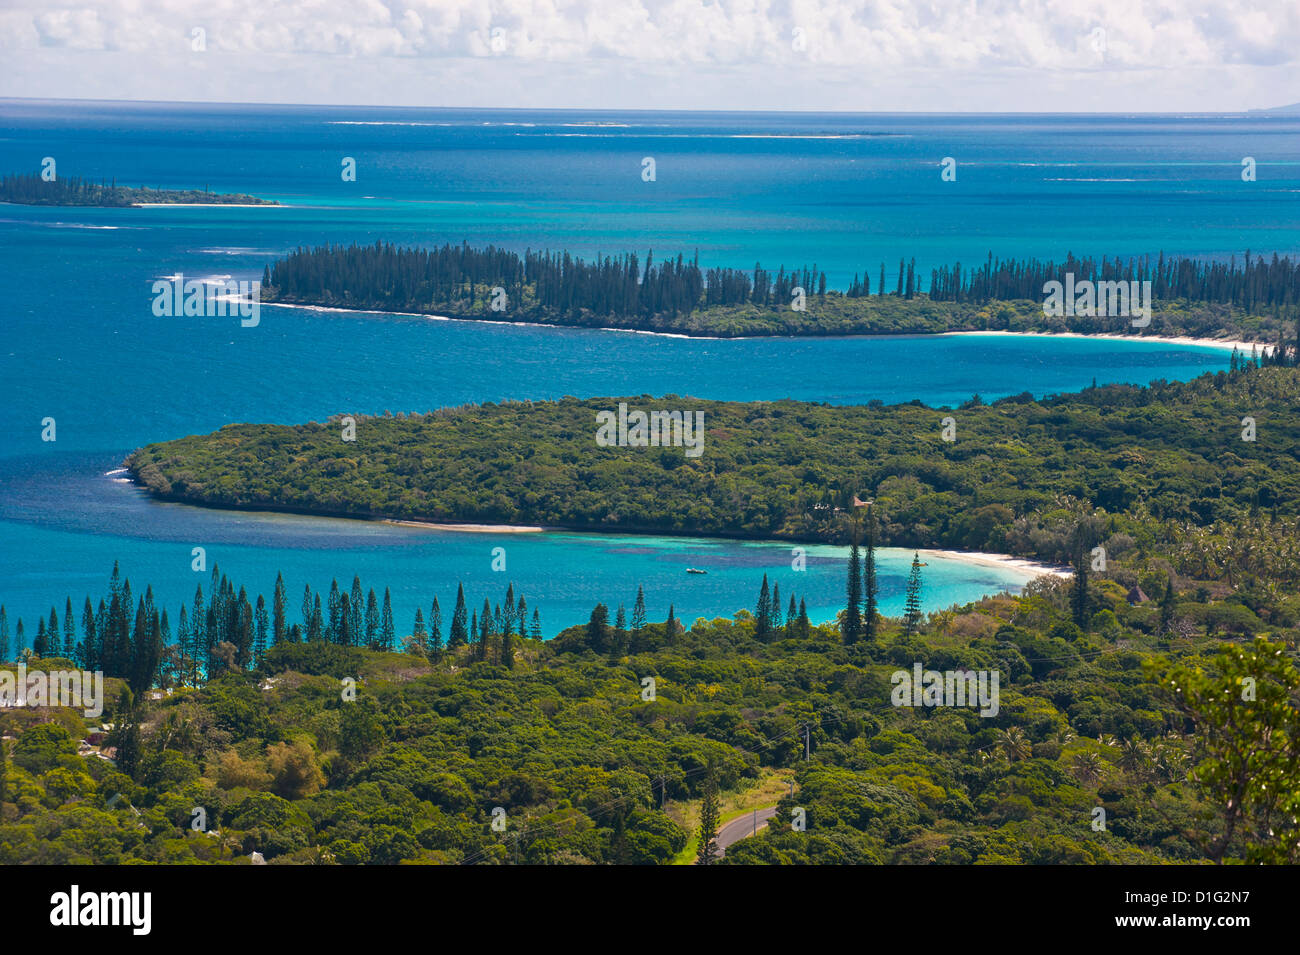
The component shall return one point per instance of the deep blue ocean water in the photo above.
(81, 344)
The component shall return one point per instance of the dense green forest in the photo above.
(1251, 300)
(1148, 710)
(1172, 460)
(322, 753)
(33, 189)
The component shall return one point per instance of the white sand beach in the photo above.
(1030, 568)
(487, 321)
(1225, 343)
(473, 528)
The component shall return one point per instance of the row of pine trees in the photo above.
(386, 275)
(490, 633)
(33, 188)
(231, 630)
(771, 623)
(768, 623)
(1252, 284)
(623, 637)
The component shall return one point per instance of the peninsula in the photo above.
(1252, 300)
(983, 477)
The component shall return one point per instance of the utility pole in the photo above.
(807, 741)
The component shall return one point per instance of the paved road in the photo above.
(741, 827)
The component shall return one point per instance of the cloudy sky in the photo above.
(946, 55)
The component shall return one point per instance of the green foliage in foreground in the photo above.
(282, 764)
(1172, 454)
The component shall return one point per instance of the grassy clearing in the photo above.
(771, 786)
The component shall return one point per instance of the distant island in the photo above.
(1249, 300)
(779, 469)
(32, 190)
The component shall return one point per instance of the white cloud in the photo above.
(559, 47)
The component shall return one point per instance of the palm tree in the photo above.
(1170, 764)
(1134, 756)
(1086, 766)
(177, 733)
(1013, 744)
(229, 845)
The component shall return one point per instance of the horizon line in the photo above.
(637, 109)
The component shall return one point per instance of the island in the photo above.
(1251, 300)
(34, 190)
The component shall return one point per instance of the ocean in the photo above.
(847, 193)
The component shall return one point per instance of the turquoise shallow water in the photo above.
(562, 574)
(81, 345)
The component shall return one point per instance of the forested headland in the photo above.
(1252, 299)
(32, 189)
(1171, 459)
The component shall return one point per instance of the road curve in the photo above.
(742, 827)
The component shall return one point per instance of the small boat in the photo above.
(695, 570)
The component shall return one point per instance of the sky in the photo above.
(851, 55)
